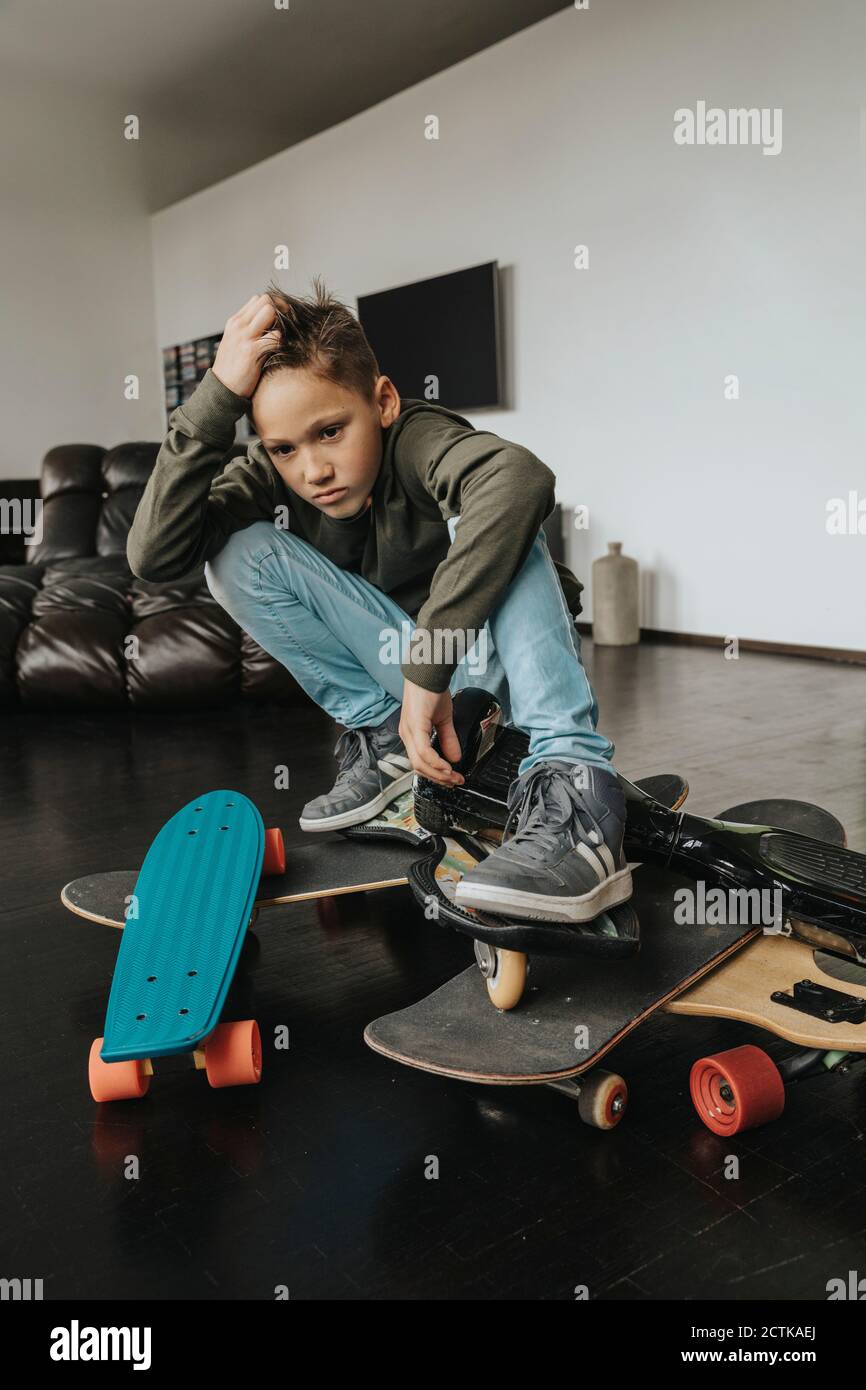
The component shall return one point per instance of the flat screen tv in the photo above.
(439, 339)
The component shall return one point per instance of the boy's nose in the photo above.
(317, 475)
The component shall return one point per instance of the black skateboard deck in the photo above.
(577, 1010)
(329, 865)
(373, 856)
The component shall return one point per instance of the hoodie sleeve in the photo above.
(186, 512)
(502, 494)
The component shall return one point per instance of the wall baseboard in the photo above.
(746, 644)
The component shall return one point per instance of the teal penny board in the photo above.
(191, 905)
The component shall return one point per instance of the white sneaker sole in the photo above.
(515, 903)
(359, 814)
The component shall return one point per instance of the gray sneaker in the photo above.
(374, 771)
(561, 857)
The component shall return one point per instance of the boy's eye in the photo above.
(327, 432)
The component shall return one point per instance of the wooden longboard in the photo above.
(577, 1010)
(743, 988)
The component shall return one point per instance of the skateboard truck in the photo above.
(831, 1005)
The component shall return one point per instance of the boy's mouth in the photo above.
(326, 499)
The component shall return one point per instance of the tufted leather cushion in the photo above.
(148, 598)
(71, 659)
(68, 590)
(19, 586)
(71, 490)
(179, 653)
(125, 471)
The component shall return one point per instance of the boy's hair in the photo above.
(322, 334)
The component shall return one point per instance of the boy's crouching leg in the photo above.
(234, 575)
(255, 578)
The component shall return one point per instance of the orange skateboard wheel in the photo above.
(116, 1080)
(233, 1054)
(274, 861)
(737, 1090)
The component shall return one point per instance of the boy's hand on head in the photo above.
(244, 343)
(422, 712)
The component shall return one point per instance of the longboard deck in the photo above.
(742, 989)
(457, 1032)
(192, 902)
(377, 855)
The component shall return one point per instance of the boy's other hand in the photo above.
(245, 342)
(422, 712)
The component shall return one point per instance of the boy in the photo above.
(389, 554)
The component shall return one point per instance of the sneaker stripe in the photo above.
(593, 859)
(605, 854)
(393, 766)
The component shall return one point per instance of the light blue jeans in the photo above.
(331, 629)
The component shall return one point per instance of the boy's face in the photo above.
(324, 440)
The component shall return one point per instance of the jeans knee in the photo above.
(228, 573)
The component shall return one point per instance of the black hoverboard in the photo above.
(822, 886)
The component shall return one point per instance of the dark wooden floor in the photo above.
(316, 1179)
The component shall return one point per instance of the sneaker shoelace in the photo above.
(356, 751)
(354, 756)
(544, 804)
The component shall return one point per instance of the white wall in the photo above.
(704, 261)
(78, 308)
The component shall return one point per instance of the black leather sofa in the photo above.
(79, 630)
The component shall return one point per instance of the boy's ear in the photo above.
(387, 400)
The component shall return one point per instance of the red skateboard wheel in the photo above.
(737, 1090)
